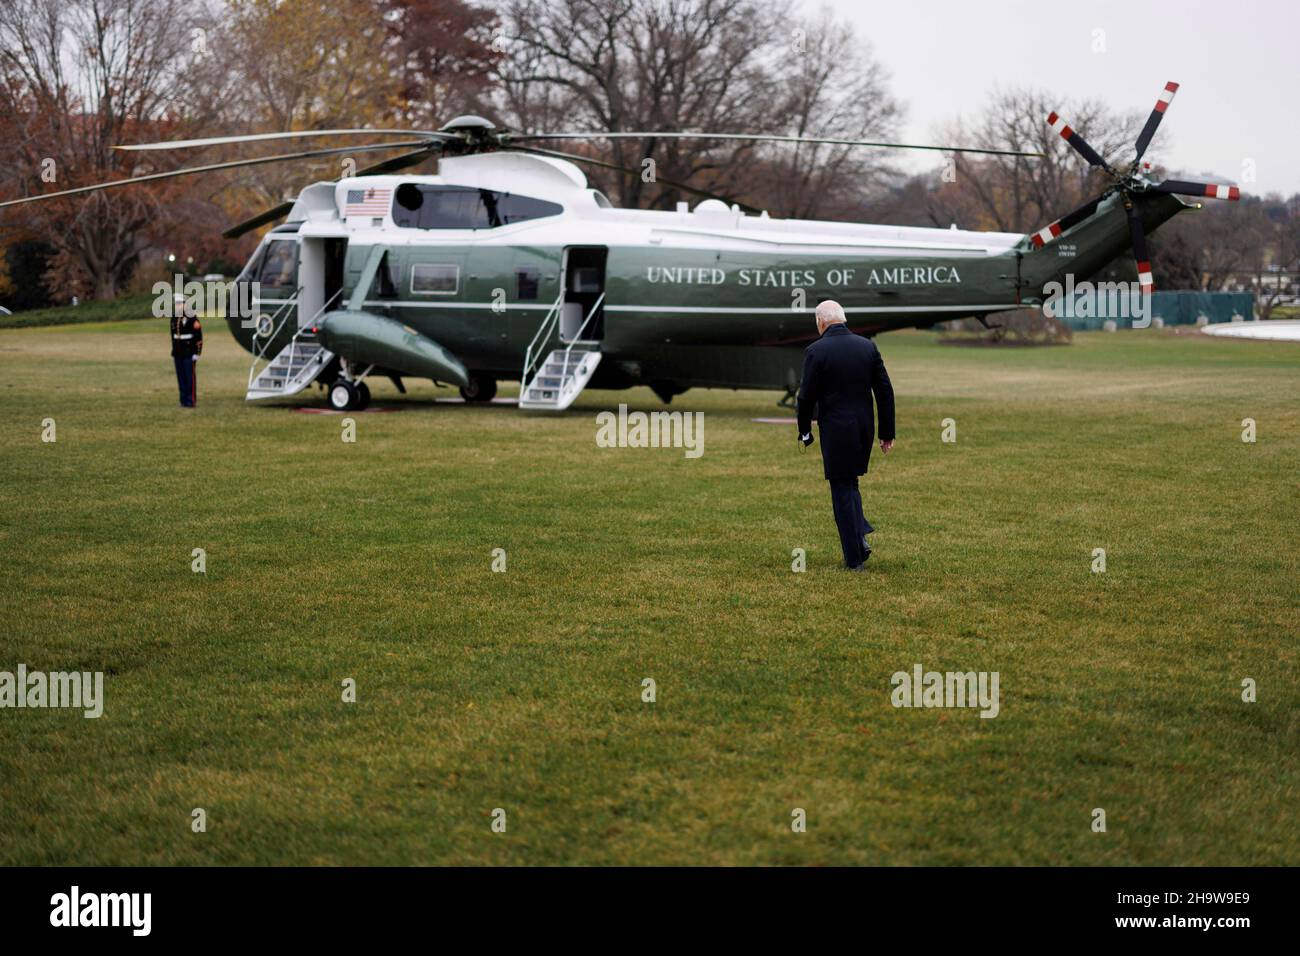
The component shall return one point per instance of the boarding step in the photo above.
(560, 379)
(297, 366)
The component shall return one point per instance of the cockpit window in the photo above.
(279, 269)
(462, 207)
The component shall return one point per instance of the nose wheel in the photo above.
(345, 396)
(480, 388)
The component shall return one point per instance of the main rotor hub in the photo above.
(476, 133)
(473, 125)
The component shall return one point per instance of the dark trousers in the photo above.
(187, 379)
(849, 519)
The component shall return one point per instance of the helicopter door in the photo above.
(584, 284)
(320, 274)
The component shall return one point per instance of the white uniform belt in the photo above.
(186, 336)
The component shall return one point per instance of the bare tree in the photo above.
(442, 55)
(309, 64)
(79, 77)
(1019, 194)
(1270, 235)
(1204, 248)
(323, 64)
(831, 87)
(728, 66)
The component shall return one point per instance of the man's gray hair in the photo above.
(830, 311)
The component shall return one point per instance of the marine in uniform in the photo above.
(841, 373)
(187, 346)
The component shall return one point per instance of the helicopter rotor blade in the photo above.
(764, 138)
(1182, 187)
(1138, 239)
(404, 161)
(1153, 121)
(1080, 144)
(1068, 221)
(632, 172)
(295, 134)
(212, 167)
(261, 219)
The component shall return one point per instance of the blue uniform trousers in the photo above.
(187, 379)
(846, 500)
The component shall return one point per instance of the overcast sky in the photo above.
(1238, 65)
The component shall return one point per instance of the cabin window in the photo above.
(586, 279)
(528, 282)
(428, 279)
(279, 271)
(511, 208)
(462, 207)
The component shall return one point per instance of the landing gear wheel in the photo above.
(343, 396)
(363, 395)
(480, 388)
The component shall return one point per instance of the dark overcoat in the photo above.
(841, 372)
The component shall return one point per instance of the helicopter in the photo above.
(507, 266)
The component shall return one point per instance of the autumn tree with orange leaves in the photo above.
(330, 64)
(76, 78)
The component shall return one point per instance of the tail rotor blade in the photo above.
(1050, 232)
(1080, 145)
(1153, 121)
(1138, 237)
(1182, 187)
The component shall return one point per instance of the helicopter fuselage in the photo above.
(479, 256)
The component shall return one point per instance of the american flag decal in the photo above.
(367, 202)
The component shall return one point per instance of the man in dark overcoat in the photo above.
(841, 373)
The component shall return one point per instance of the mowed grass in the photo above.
(126, 308)
(522, 690)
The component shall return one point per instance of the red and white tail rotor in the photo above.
(1130, 182)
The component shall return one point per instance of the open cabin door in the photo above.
(320, 274)
(300, 357)
(584, 288)
(554, 377)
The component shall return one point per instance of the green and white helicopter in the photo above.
(507, 266)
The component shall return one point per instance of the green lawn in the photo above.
(123, 309)
(522, 690)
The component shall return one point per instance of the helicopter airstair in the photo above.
(296, 366)
(560, 377)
